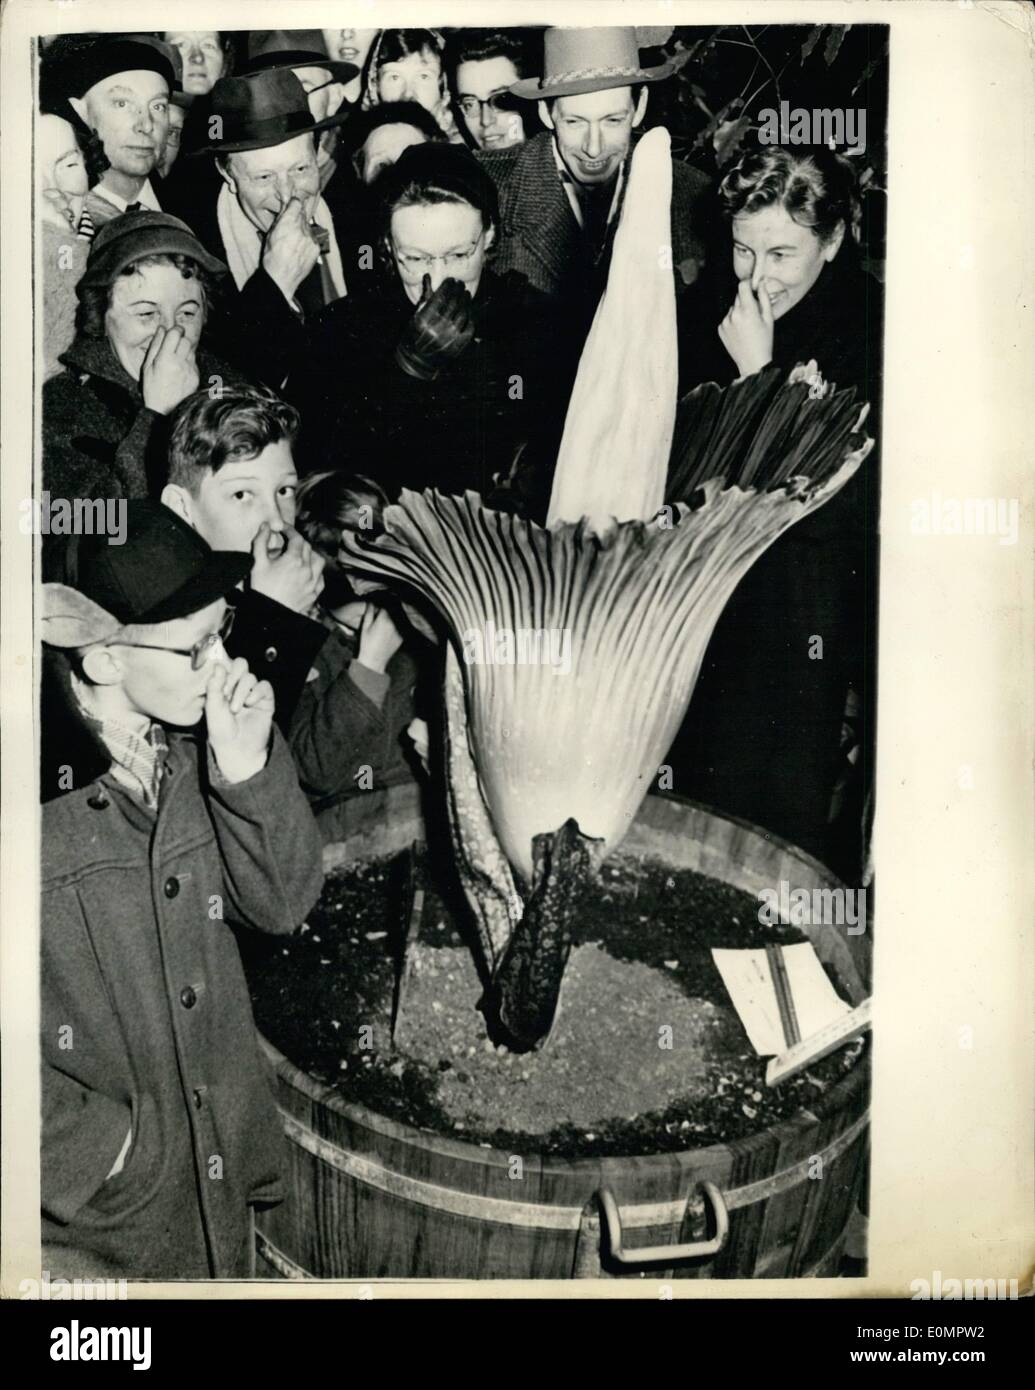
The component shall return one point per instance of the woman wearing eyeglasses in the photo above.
(440, 377)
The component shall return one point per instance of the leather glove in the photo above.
(441, 327)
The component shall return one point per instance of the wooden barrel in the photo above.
(372, 1198)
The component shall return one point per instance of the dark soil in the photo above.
(647, 1054)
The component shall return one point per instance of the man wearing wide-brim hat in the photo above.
(266, 218)
(561, 192)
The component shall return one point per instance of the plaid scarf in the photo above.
(137, 759)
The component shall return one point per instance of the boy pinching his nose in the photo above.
(179, 813)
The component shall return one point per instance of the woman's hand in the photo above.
(170, 370)
(379, 638)
(442, 326)
(747, 330)
(238, 717)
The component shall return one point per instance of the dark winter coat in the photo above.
(99, 438)
(255, 327)
(763, 732)
(349, 719)
(146, 1019)
(361, 411)
(540, 238)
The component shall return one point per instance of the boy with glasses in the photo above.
(159, 1131)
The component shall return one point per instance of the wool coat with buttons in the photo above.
(147, 1025)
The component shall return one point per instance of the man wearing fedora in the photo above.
(267, 219)
(561, 192)
(120, 91)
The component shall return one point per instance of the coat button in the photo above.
(199, 1096)
(172, 887)
(188, 997)
(271, 653)
(98, 802)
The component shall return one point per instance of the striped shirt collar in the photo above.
(138, 755)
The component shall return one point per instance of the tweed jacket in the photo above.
(540, 238)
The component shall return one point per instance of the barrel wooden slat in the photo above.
(371, 1198)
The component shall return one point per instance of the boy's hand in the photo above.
(294, 577)
(747, 330)
(238, 716)
(379, 638)
(170, 371)
(417, 729)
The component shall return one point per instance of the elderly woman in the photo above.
(143, 302)
(409, 65)
(436, 379)
(766, 734)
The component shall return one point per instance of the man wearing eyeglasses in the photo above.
(483, 66)
(172, 810)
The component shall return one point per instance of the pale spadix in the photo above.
(635, 586)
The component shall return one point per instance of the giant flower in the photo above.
(548, 759)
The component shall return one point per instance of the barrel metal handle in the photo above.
(665, 1254)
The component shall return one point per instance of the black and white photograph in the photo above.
(456, 516)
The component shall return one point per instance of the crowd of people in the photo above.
(286, 274)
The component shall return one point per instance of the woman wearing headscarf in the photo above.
(139, 349)
(409, 65)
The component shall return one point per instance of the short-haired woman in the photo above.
(138, 351)
(791, 288)
(781, 727)
(437, 378)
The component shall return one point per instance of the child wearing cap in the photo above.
(159, 1130)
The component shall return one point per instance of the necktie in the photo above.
(134, 207)
(595, 204)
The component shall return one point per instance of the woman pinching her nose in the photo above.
(139, 350)
(798, 291)
(765, 736)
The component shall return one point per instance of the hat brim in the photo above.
(292, 58)
(108, 265)
(266, 142)
(222, 572)
(534, 89)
